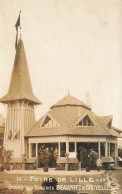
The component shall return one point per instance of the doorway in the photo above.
(83, 150)
(48, 152)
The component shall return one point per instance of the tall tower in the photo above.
(20, 102)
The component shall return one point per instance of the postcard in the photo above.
(60, 97)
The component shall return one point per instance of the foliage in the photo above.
(6, 156)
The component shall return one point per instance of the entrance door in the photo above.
(47, 154)
(83, 150)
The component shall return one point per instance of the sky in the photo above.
(70, 45)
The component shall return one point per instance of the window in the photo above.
(46, 122)
(63, 149)
(102, 149)
(112, 150)
(49, 122)
(71, 146)
(85, 122)
(33, 150)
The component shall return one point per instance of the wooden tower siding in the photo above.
(20, 117)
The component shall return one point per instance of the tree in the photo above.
(6, 156)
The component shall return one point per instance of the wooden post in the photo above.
(29, 150)
(59, 149)
(36, 150)
(67, 146)
(117, 149)
(116, 152)
(106, 149)
(67, 155)
(99, 149)
(76, 149)
(109, 149)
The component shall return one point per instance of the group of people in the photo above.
(48, 156)
(88, 160)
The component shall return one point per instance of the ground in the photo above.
(93, 182)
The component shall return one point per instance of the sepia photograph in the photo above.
(61, 96)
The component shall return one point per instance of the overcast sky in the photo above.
(70, 44)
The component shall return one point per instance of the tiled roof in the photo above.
(118, 130)
(67, 116)
(20, 84)
(70, 100)
(104, 120)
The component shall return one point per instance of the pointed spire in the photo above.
(20, 84)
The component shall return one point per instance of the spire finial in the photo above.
(18, 28)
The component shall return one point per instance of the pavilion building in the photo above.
(67, 126)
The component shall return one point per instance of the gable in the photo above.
(86, 121)
(49, 122)
(109, 124)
